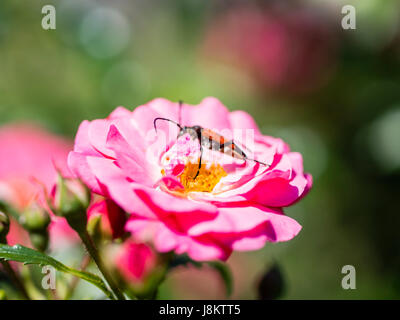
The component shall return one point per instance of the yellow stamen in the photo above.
(206, 180)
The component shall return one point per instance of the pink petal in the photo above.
(113, 184)
(280, 192)
(78, 164)
(82, 142)
(131, 159)
(148, 202)
(144, 117)
(242, 120)
(171, 183)
(210, 113)
(236, 218)
(120, 112)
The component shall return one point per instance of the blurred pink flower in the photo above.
(291, 50)
(135, 261)
(27, 153)
(231, 205)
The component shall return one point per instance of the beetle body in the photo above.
(209, 139)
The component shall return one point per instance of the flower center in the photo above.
(205, 181)
(182, 162)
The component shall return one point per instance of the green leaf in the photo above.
(225, 274)
(3, 295)
(29, 256)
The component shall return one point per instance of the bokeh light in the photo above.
(104, 32)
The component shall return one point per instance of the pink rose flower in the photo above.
(29, 153)
(232, 204)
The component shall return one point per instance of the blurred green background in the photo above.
(332, 94)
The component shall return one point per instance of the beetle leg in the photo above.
(201, 155)
(199, 137)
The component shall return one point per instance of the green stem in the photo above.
(75, 280)
(14, 277)
(91, 248)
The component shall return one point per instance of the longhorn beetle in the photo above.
(208, 139)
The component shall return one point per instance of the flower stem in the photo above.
(75, 280)
(91, 248)
(14, 277)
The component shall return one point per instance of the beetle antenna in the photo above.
(165, 119)
(260, 162)
(180, 111)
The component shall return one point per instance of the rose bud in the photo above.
(4, 226)
(106, 218)
(36, 220)
(40, 241)
(138, 268)
(272, 284)
(70, 199)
